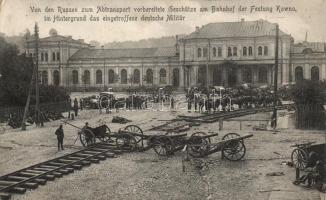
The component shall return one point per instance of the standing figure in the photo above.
(172, 103)
(81, 104)
(60, 136)
(76, 107)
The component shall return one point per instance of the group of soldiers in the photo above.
(227, 100)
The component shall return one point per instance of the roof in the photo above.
(236, 29)
(87, 53)
(57, 38)
(314, 46)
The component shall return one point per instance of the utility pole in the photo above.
(37, 92)
(274, 117)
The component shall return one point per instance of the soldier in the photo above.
(60, 135)
(76, 107)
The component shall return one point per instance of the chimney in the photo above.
(242, 19)
(197, 28)
(81, 40)
(102, 47)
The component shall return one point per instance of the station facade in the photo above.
(217, 54)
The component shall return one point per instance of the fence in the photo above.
(310, 116)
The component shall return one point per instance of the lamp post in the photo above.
(274, 116)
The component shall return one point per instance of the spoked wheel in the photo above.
(137, 130)
(125, 140)
(299, 158)
(230, 136)
(87, 137)
(198, 146)
(163, 146)
(106, 138)
(234, 150)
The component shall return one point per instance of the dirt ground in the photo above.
(144, 175)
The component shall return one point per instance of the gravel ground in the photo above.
(147, 176)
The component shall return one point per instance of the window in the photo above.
(298, 73)
(53, 56)
(46, 56)
(235, 51)
(74, 77)
(262, 75)
(56, 78)
(42, 57)
(265, 50)
(162, 76)
(111, 76)
(44, 77)
(124, 77)
(87, 77)
(58, 56)
(214, 52)
(199, 52)
(219, 52)
(250, 51)
(205, 52)
(229, 51)
(260, 51)
(244, 51)
(149, 76)
(247, 75)
(136, 77)
(99, 77)
(315, 73)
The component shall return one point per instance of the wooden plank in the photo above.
(18, 190)
(27, 185)
(5, 196)
(94, 160)
(16, 178)
(78, 167)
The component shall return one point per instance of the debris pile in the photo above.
(120, 120)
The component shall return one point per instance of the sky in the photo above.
(16, 16)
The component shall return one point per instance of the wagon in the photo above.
(300, 155)
(89, 135)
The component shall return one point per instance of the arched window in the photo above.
(298, 73)
(265, 50)
(44, 77)
(162, 76)
(205, 52)
(42, 57)
(87, 77)
(247, 75)
(111, 76)
(262, 75)
(124, 77)
(149, 76)
(74, 77)
(244, 51)
(214, 52)
(315, 73)
(199, 52)
(46, 56)
(99, 77)
(229, 51)
(175, 77)
(250, 51)
(260, 51)
(219, 51)
(136, 77)
(235, 51)
(56, 77)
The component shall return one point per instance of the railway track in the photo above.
(31, 177)
(210, 118)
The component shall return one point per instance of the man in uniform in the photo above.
(60, 136)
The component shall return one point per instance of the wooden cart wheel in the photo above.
(125, 140)
(87, 137)
(299, 158)
(229, 136)
(163, 146)
(138, 130)
(234, 150)
(198, 146)
(106, 137)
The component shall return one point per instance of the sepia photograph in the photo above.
(162, 99)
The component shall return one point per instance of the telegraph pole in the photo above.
(37, 92)
(274, 117)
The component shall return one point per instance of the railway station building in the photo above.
(227, 54)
